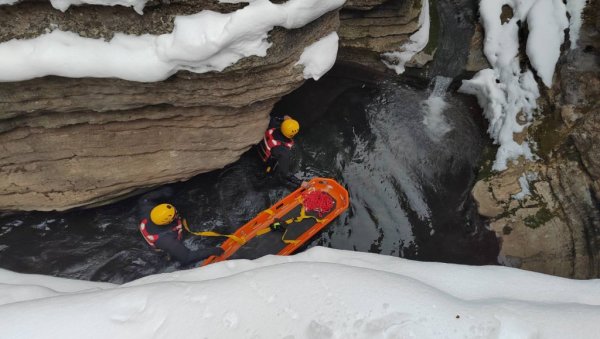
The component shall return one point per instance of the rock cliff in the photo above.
(71, 142)
(556, 228)
(74, 142)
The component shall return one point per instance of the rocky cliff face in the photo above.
(369, 28)
(555, 229)
(72, 142)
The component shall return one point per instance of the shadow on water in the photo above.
(408, 158)
(406, 155)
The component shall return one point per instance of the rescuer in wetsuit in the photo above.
(162, 228)
(275, 150)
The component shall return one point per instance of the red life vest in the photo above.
(152, 238)
(269, 142)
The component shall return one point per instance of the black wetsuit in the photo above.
(167, 235)
(280, 160)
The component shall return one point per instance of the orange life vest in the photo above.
(152, 238)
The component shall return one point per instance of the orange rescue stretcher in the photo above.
(256, 238)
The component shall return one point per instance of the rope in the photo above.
(317, 201)
(301, 217)
(312, 201)
(237, 239)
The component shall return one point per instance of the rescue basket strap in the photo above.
(301, 217)
(237, 239)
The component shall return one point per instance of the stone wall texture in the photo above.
(556, 229)
(73, 142)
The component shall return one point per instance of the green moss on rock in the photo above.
(541, 217)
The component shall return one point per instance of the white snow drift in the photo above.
(505, 91)
(203, 42)
(321, 293)
(319, 57)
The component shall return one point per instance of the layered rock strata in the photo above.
(72, 142)
(369, 28)
(556, 228)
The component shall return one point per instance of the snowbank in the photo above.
(319, 57)
(203, 42)
(319, 293)
(17, 287)
(547, 21)
(575, 9)
(397, 59)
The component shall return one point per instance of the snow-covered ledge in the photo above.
(203, 42)
(321, 293)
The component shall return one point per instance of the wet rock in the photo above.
(571, 187)
(545, 248)
(494, 195)
(476, 60)
(541, 232)
(74, 142)
(535, 233)
(545, 191)
(369, 28)
(557, 229)
(569, 115)
(362, 4)
(487, 206)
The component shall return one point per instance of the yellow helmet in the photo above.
(290, 127)
(163, 214)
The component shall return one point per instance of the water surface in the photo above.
(406, 155)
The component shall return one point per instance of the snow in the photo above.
(17, 287)
(524, 188)
(524, 181)
(397, 59)
(502, 95)
(506, 91)
(319, 57)
(202, 42)
(321, 293)
(575, 9)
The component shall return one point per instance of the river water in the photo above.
(407, 156)
(406, 152)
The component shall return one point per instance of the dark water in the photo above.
(454, 32)
(409, 186)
